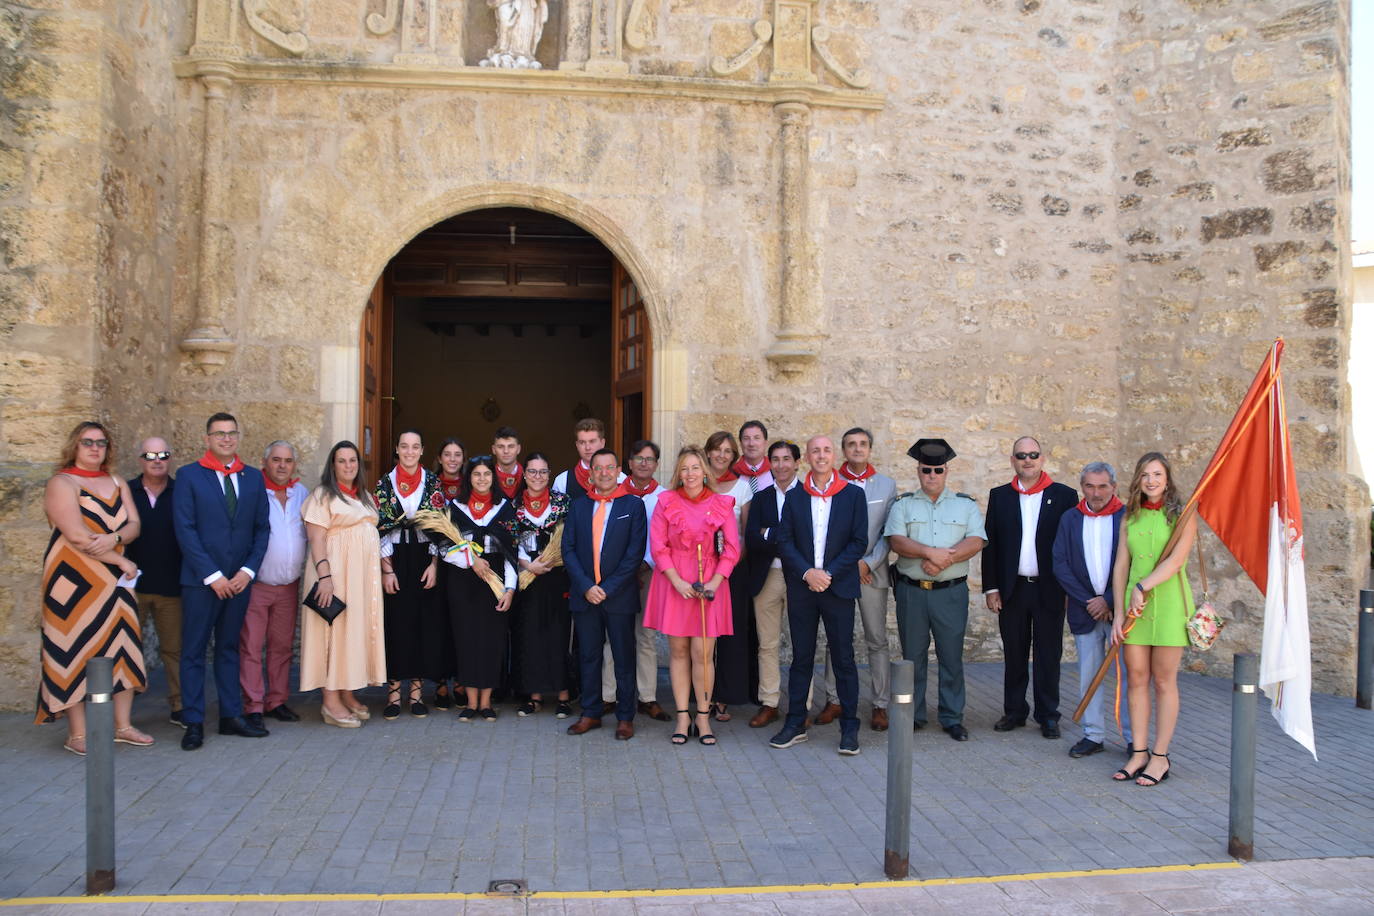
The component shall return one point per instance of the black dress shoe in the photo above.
(1007, 723)
(176, 719)
(917, 726)
(283, 714)
(1085, 748)
(254, 720)
(237, 725)
(1050, 729)
(957, 732)
(194, 737)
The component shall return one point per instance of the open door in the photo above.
(631, 351)
(376, 403)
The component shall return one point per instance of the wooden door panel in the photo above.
(631, 352)
(376, 403)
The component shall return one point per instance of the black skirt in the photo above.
(542, 631)
(414, 624)
(737, 656)
(480, 630)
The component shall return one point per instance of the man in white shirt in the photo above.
(1084, 551)
(274, 599)
(589, 437)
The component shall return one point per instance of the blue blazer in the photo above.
(210, 539)
(622, 550)
(846, 538)
(761, 537)
(1071, 568)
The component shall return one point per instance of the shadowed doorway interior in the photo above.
(503, 317)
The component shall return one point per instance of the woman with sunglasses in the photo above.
(737, 656)
(89, 609)
(448, 467)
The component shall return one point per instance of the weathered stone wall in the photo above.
(1083, 219)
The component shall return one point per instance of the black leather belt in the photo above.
(929, 585)
(1031, 579)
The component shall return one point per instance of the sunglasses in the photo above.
(94, 443)
(155, 456)
(932, 470)
(1023, 456)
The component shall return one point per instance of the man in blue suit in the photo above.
(1084, 551)
(823, 534)
(603, 545)
(222, 526)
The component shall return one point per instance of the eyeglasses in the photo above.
(932, 470)
(1022, 456)
(221, 434)
(644, 459)
(155, 456)
(537, 472)
(95, 443)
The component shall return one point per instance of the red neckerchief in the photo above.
(280, 488)
(82, 472)
(705, 494)
(1108, 509)
(1146, 504)
(1040, 484)
(618, 491)
(535, 505)
(509, 483)
(208, 460)
(630, 487)
(408, 483)
(837, 483)
(583, 475)
(480, 505)
(346, 490)
(728, 476)
(742, 468)
(452, 486)
(847, 474)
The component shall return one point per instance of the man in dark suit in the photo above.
(764, 570)
(1084, 551)
(1020, 587)
(221, 521)
(822, 534)
(603, 545)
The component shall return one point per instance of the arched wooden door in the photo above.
(374, 374)
(632, 349)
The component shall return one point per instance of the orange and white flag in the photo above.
(1249, 497)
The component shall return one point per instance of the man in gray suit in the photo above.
(880, 492)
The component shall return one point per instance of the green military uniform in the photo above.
(935, 606)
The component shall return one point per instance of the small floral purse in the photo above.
(1205, 625)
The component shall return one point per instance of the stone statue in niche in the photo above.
(519, 26)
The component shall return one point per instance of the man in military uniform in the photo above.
(934, 534)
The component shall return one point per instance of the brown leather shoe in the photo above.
(624, 731)
(765, 715)
(879, 723)
(654, 711)
(829, 714)
(583, 725)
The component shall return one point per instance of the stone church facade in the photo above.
(1081, 219)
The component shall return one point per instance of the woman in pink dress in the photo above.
(691, 525)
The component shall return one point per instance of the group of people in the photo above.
(488, 574)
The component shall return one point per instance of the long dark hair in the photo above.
(330, 483)
(481, 461)
(1173, 505)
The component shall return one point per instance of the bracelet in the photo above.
(322, 560)
(326, 576)
(1140, 587)
(388, 572)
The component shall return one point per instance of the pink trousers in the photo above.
(271, 619)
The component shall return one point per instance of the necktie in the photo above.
(231, 496)
(753, 484)
(598, 526)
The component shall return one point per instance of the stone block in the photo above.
(1302, 20)
(1322, 307)
(1231, 140)
(1318, 216)
(1310, 91)
(1278, 254)
(1233, 224)
(1252, 66)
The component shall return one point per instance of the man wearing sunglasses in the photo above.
(934, 534)
(159, 560)
(1020, 587)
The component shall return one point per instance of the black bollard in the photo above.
(1241, 843)
(897, 851)
(1364, 667)
(100, 826)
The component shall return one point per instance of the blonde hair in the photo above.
(68, 456)
(690, 451)
(1173, 505)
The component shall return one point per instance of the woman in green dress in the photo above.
(1155, 588)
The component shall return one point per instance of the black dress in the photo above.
(414, 625)
(481, 631)
(542, 624)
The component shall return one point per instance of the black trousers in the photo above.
(1032, 625)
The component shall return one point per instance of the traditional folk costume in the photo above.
(542, 624)
(485, 523)
(417, 633)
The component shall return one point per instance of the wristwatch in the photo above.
(119, 538)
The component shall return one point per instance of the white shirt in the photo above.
(529, 539)
(762, 481)
(650, 501)
(462, 557)
(285, 556)
(780, 493)
(1097, 550)
(1029, 564)
(560, 483)
(820, 524)
(409, 505)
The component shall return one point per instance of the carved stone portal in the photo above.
(519, 26)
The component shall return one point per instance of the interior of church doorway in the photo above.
(503, 317)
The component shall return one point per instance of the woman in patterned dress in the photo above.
(1156, 587)
(87, 612)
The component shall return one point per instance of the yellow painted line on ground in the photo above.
(615, 895)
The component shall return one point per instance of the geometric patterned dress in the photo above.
(86, 615)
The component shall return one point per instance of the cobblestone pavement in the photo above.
(432, 805)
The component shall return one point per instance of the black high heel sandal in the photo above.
(393, 701)
(417, 707)
(680, 738)
(1125, 775)
(1152, 780)
(708, 740)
